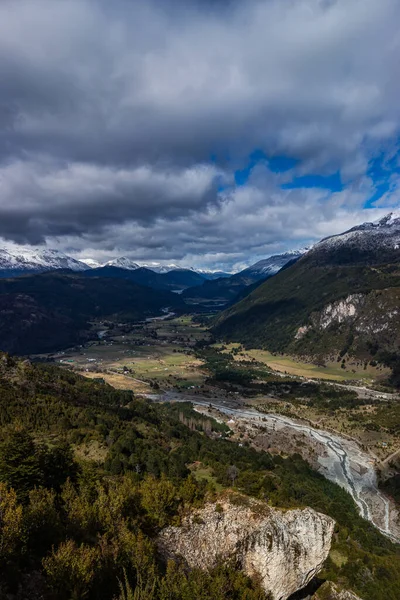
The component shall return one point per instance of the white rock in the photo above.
(284, 550)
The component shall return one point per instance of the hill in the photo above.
(341, 297)
(174, 280)
(41, 313)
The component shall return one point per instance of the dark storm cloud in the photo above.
(79, 198)
(128, 118)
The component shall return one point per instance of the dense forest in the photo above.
(89, 475)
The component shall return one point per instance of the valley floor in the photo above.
(159, 359)
(160, 355)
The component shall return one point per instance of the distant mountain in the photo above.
(157, 268)
(42, 313)
(175, 280)
(212, 274)
(122, 263)
(22, 260)
(127, 263)
(226, 289)
(270, 266)
(342, 296)
(90, 262)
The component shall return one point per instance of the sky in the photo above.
(199, 132)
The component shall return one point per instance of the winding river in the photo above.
(342, 462)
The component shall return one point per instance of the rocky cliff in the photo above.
(283, 550)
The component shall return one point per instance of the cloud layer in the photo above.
(122, 124)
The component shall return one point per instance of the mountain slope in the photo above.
(342, 296)
(271, 265)
(40, 313)
(226, 289)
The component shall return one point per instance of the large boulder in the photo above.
(282, 549)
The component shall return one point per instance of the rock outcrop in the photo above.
(282, 549)
(329, 591)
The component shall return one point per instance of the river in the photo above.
(343, 461)
(167, 314)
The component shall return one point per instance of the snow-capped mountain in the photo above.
(385, 232)
(24, 259)
(91, 263)
(159, 268)
(270, 266)
(123, 263)
(368, 243)
(209, 274)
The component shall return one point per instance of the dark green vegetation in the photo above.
(299, 296)
(255, 378)
(173, 280)
(224, 289)
(41, 313)
(84, 529)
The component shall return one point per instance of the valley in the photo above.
(348, 443)
(142, 356)
(162, 355)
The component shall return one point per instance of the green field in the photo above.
(292, 366)
(158, 352)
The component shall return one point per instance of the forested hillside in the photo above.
(89, 476)
(41, 313)
(340, 298)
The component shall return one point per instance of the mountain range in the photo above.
(342, 297)
(21, 260)
(127, 263)
(175, 280)
(227, 289)
(24, 260)
(17, 261)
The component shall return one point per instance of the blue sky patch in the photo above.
(332, 182)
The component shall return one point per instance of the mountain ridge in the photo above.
(340, 298)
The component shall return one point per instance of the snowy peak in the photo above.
(273, 264)
(390, 220)
(159, 268)
(209, 274)
(24, 259)
(383, 233)
(91, 263)
(123, 263)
